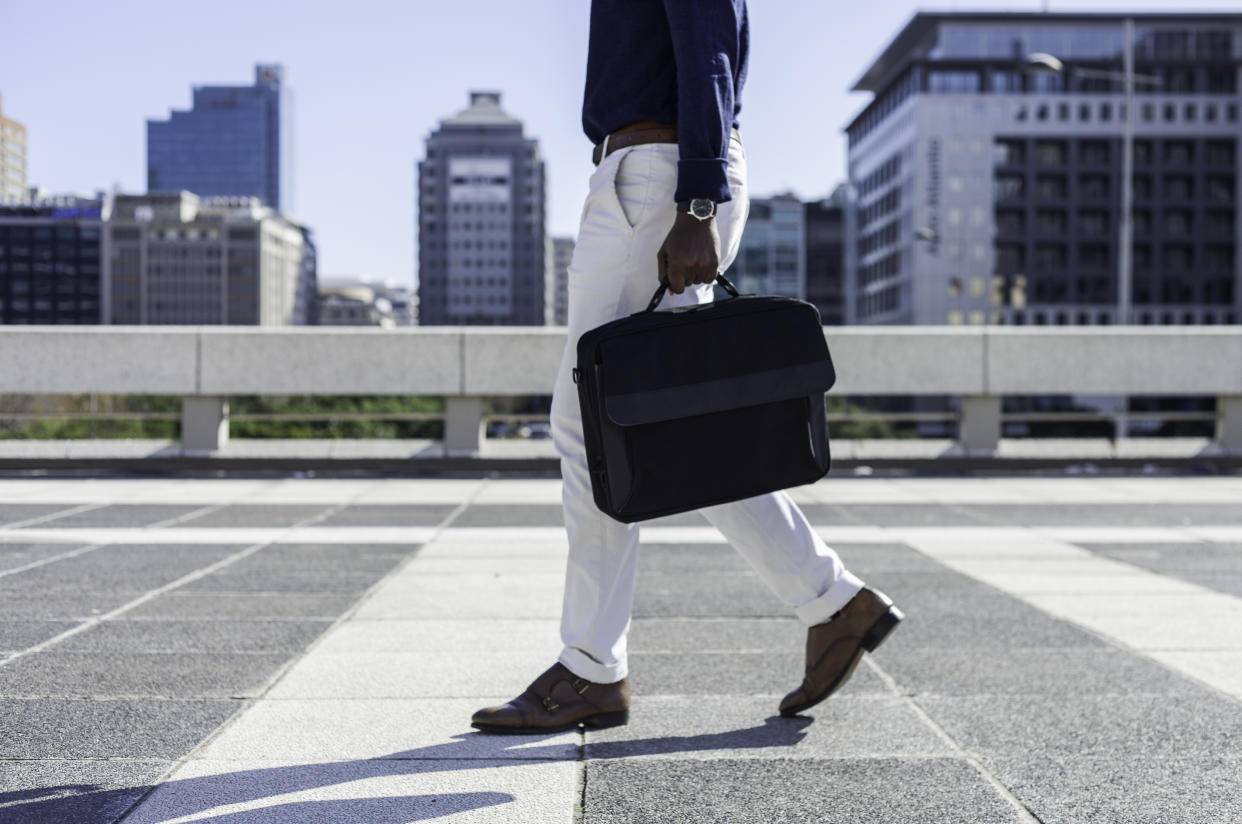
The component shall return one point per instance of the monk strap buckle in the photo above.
(549, 704)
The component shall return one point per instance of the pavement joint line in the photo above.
(60, 513)
(152, 594)
(73, 553)
(250, 701)
(1024, 813)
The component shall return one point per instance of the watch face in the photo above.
(702, 209)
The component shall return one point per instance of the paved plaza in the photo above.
(253, 651)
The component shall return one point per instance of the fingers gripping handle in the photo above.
(721, 280)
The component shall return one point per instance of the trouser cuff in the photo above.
(581, 665)
(826, 605)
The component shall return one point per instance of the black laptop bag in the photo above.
(703, 405)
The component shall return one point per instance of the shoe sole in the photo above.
(875, 636)
(601, 721)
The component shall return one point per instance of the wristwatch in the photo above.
(700, 207)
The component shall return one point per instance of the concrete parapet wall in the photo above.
(907, 360)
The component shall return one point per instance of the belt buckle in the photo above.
(602, 150)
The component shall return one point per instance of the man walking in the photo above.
(668, 200)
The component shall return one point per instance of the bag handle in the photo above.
(721, 280)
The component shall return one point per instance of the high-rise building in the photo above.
(482, 257)
(235, 141)
(986, 192)
(50, 260)
(772, 257)
(562, 254)
(12, 160)
(178, 259)
(825, 256)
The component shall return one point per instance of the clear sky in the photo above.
(372, 79)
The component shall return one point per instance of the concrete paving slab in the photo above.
(239, 605)
(914, 515)
(447, 545)
(981, 626)
(689, 558)
(1221, 669)
(244, 515)
(377, 792)
(16, 555)
(389, 515)
(127, 515)
(409, 675)
(511, 515)
(160, 675)
(64, 604)
(118, 567)
(495, 537)
(741, 673)
(835, 791)
(60, 791)
(529, 491)
(18, 635)
(1087, 671)
(1120, 515)
(290, 581)
(744, 727)
(1113, 582)
(539, 637)
(312, 490)
(718, 635)
(13, 513)
(500, 595)
(1208, 620)
(61, 728)
(880, 559)
(1186, 789)
(1121, 534)
(552, 564)
(1175, 559)
(1219, 534)
(356, 729)
(186, 636)
(1124, 727)
(735, 595)
(452, 491)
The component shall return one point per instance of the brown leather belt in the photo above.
(634, 134)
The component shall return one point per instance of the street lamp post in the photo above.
(1041, 62)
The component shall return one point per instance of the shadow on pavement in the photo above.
(193, 797)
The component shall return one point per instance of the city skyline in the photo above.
(365, 108)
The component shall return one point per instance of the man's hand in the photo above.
(690, 254)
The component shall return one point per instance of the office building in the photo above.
(235, 141)
(562, 254)
(482, 253)
(12, 159)
(51, 260)
(175, 258)
(987, 189)
(360, 301)
(825, 256)
(772, 257)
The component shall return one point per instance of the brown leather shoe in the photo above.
(834, 648)
(558, 700)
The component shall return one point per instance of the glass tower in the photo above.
(235, 140)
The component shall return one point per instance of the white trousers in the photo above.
(613, 273)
